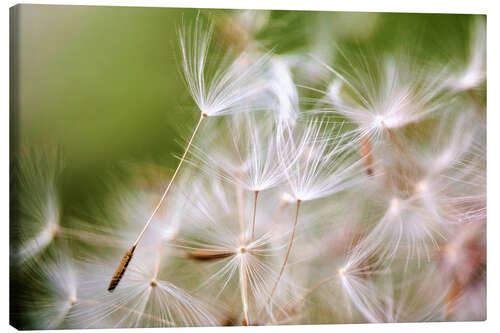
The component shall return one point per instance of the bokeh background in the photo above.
(103, 84)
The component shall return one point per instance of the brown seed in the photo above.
(120, 270)
(366, 153)
(208, 255)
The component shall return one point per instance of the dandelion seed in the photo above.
(320, 163)
(223, 87)
(388, 95)
(39, 204)
(245, 154)
(250, 160)
(54, 280)
(227, 92)
(314, 168)
(231, 252)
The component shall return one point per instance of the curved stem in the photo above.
(289, 249)
(122, 267)
(244, 292)
(167, 190)
(254, 213)
(241, 211)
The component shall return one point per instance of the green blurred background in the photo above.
(103, 83)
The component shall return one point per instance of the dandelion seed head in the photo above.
(316, 166)
(220, 85)
(388, 92)
(379, 121)
(247, 155)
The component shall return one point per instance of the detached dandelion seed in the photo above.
(227, 92)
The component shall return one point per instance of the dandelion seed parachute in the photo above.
(238, 262)
(244, 154)
(222, 87)
(314, 168)
(387, 93)
(39, 203)
(320, 162)
(228, 90)
(52, 292)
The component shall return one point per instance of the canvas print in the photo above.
(177, 167)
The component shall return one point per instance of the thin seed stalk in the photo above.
(254, 213)
(241, 210)
(289, 249)
(122, 267)
(244, 291)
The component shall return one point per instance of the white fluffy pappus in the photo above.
(52, 293)
(384, 94)
(244, 153)
(225, 86)
(144, 298)
(319, 160)
(219, 236)
(39, 207)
